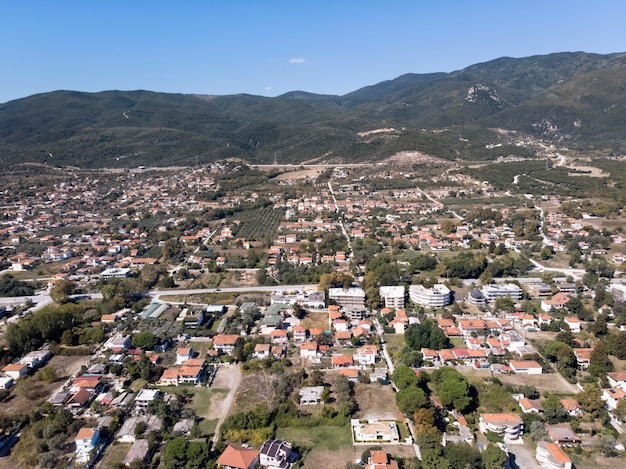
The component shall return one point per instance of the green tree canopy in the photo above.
(426, 335)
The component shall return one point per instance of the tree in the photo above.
(599, 328)
(411, 399)
(537, 432)
(426, 335)
(453, 388)
(48, 374)
(175, 453)
(599, 362)
(554, 412)
(145, 340)
(463, 456)
(494, 457)
(590, 400)
(62, 291)
(404, 377)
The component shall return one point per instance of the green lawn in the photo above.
(457, 342)
(325, 438)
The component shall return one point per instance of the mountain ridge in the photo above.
(571, 98)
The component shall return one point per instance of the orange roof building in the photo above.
(235, 457)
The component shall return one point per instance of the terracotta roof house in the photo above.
(617, 379)
(225, 342)
(235, 457)
(15, 370)
(508, 425)
(339, 361)
(572, 406)
(551, 456)
(261, 351)
(380, 460)
(86, 440)
(529, 367)
(573, 323)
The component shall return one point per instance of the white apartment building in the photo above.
(352, 299)
(437, 296)
(393, 296)
(494, 291)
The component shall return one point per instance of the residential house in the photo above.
(380, 460)
(367, 355)
(341, 361)
(118, 343)
(572, 406)
(15, 370)
(299, 333)
(183, 354)
(376, 431)
(562, 434)
(530, 406)
(583, 357)
(552, 456)
(529, 367)
(617, 379)
(508, 425)
(309, 351)
(311, 395)
(573, 323)
(557, 301)
(276, 453)
(279, 336)
(261, 351)
(145, 397)
(86, 441)
(225, 343)
(612, 396)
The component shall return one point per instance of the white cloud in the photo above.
(296, 60)
(268, 88)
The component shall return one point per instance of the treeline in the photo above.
(46, 325)
(10, 286)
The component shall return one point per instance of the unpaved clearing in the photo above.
(228, 376)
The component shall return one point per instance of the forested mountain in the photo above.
(484, 111)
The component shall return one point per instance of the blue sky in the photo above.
(271, 47)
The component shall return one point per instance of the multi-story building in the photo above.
(495, 291)
(393, 296)
(508, 425)
(351, 299)
(552, 456)
(437, 296)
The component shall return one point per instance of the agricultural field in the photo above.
(256, 224)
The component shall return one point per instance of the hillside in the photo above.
(574, 99)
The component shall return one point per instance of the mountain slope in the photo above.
(574, 98)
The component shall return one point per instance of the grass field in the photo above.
(114, 454)
(201, 403)
(395, 343)
(329, 447)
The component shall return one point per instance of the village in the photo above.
(228, 326)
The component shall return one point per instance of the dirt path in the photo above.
(227, 376)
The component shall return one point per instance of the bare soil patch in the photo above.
(546, 382)
(315, 320)
(310, 173)
(376, 401)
